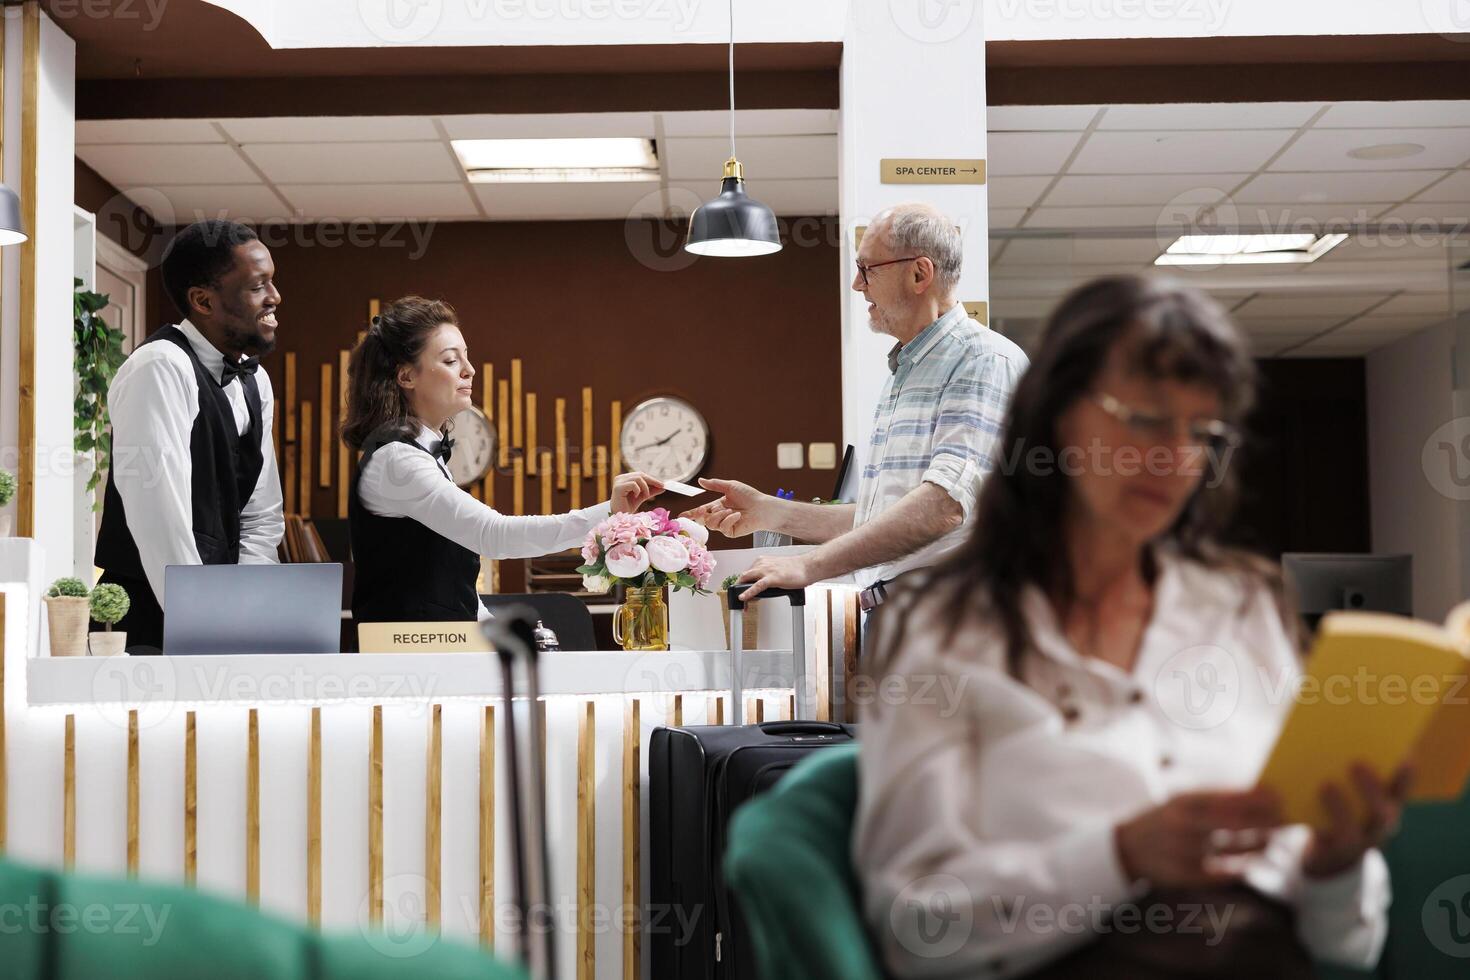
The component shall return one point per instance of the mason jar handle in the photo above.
(617, 624)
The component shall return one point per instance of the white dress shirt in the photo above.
(153, 402)
(984, 796)
(400, 481)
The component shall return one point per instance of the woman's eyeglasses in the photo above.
(1158, 429)
(863, 270)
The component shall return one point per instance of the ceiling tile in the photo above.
(1315, 188)
(1177, 152)
(548, 125)
(1455, 187)
(1016, 191)
(354, 163)
(1028, 153)
(1006, 217)
(1322, 304)
(344, 202)
(146, 131)
(1216, 115)
(750, 122)
(1377, 248)
(1114, 189)
(334, 129)
(1285, 325)
(1034, 118)
(1327, 149)
(152, 165)
(1453, 214)
(764, 157)
(563, 201)
(1079, 251)
(1400, 323)
(1429, 304)
(240, 202)
(1385, 115)
(1245, 213)
(1170, 221)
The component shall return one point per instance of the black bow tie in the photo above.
(444, 449)
(241, 369)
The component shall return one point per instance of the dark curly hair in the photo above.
(376, 408)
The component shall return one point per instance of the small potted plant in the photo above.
(750, 621)
(109, 604)
(7, 494)
(67, 616)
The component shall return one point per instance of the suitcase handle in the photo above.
(733, 597)
(801, 728)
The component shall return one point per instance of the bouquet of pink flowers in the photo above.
(648, 550)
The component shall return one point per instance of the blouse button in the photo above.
(1166, 761)
(1135, 697)
(1070, 713)
(1064, 690)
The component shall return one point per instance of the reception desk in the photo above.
(365, 789)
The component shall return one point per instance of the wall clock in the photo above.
(666, 438)
(474, 446)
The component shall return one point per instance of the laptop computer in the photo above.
(221, 609)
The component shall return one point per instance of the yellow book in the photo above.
(1384, 690)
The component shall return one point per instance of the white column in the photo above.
(55, 259)
(912, 85)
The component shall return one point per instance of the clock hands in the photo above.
(655, 445)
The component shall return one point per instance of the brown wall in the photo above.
(752, 343)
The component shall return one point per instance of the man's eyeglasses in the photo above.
(1158, 429)
(863, 270)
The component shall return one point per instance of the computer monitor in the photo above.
(221, 609)
(1371, 583)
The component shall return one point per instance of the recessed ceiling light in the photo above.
(1213, 250)
(1387, 151)
(547, 160)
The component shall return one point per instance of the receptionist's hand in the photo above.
(632, 490)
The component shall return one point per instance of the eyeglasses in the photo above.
(1207, 433)
(863, 270)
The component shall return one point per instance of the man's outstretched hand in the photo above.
(741, 509)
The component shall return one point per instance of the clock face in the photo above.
(666, 438)
(474, 446)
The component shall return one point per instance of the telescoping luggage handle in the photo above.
(513, 635)
(798, 647)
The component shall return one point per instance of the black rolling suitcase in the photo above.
(698, 776)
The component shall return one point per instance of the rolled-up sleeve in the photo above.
(967, 425)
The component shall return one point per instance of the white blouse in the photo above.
(400, 481)
(985, 831)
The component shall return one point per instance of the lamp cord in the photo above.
(731, 7)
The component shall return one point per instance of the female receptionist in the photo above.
(417, 538)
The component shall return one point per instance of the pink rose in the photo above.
(694, 529)
(627, 560)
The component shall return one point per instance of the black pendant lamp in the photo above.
(734, 223)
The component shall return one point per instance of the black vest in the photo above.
(224, 467)
(402, 571)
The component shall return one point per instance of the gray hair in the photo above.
(918, 229)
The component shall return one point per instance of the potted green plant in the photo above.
(67, 616)
(109, 604)
(98, 354)
(749, 624)
(7, 494)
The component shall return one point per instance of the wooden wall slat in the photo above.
(678, 710)
(487, 390)
(632, 924)
(487, 828)
(252, 803)
(502, 434)
(433, 826)
(561, 443)
(191, 800)
(69, 794)
(576, 484)
(290, 396)
(518, 486)
(288, 478)
(304, 502)
(716, 710)
(546, 503)
(851, 651)
(517, 430)
(586, 843)
(314, 820)
(324, 465)
(375, 819)
(533, 450)
(822, 647)
(601, 456)
(134, 762)
(587, 431)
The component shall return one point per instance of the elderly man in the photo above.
(934, 430)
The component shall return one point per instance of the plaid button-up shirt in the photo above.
(938, 421)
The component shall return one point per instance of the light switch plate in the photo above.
(822, 455)
(789, 456)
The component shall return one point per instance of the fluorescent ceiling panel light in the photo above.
(549, 160)
(1249, 249)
